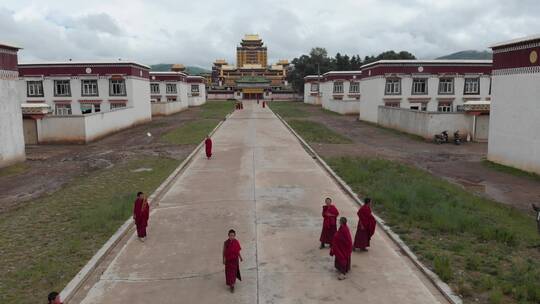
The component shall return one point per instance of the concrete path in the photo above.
(263, 184)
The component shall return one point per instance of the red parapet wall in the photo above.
(76, 69)
(524, 54)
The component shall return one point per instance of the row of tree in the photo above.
(318, 62)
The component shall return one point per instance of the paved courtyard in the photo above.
(264, 185)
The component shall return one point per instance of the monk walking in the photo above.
(141, 213)
(329, 214)
(231, 257)
(264, 104)
(341, 249)
(366, 226)
(208, 146)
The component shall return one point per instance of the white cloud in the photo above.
(198, 32)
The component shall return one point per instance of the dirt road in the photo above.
(48, 167)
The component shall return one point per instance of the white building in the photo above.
(196, 90)
(168, 92)
(423, 85)
(337, 91)
(11, 126)
(88, 100)
(514, 138)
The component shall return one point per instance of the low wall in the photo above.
(343, 107)
(11, 125)
(424, 124)
(283, 96)
(195, 101)
(220, 96)
(86, 128)
(168, 108)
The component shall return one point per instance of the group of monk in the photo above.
(340, 240)
(239, 105)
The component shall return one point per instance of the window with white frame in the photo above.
(170, 88)
(89, 87)
(446, 86)
(34, 88)
(314, 87)
(419, 106)
(87, 108)
(444, 107)
(117, 105)
(154, 88)
(62, 109)
(393, 86)
(195, 88)
(419, 86)
(117, 87)
(338, 87)
(355, 87)
(472, 86)
(62, 88)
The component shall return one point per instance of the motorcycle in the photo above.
(441, 138)
(457, 138)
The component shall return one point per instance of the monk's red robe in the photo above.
(208, 147)
(342, 248)
(365, 231)
(264, 104)
(330, 214)
(231, 255)
(141, 212)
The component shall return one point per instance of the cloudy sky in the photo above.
(197, 32)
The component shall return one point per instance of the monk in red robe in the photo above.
(329, 214)
(366, 226)
(264, 104)
(231, 257)
(141, 213)
(208, 146)
(341, 249)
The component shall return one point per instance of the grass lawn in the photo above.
(216, 109)
(13, 170)
(48, 240)
(480, 247)
(193, 132)
(289, 109)
(510, 170)
(316, 132)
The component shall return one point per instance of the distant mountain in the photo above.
(191, 70)
(470, 54)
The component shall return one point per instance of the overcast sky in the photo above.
(198, 32)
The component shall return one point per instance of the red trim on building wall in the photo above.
(384, 69)
(118, 100)
(80, 70)
(161, 77)
(195, 80)
(62, 101)
(515, 59)
(8, 62)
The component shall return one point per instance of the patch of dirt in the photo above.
(459, 164)
(51, 166)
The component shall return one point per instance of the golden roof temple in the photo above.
(252, 76)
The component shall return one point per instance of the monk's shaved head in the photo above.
(343, 220)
